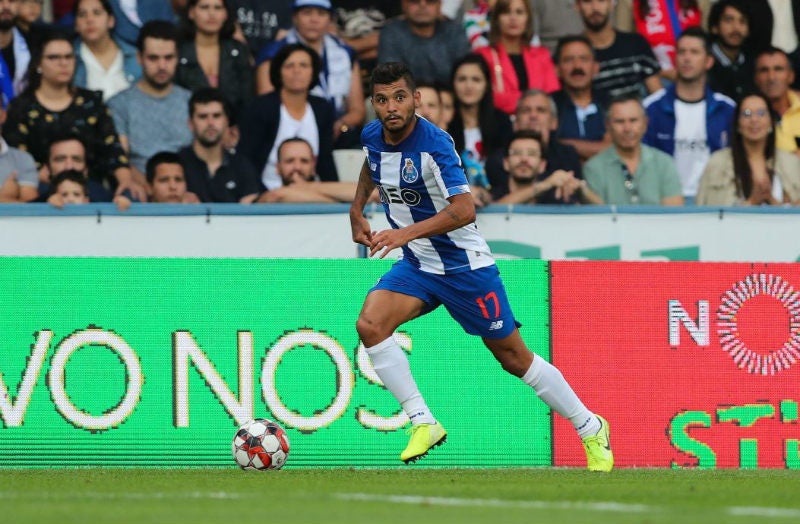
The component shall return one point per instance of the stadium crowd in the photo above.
(657, 102)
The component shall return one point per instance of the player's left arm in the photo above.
(459, 213)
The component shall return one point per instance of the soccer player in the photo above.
(426, 197)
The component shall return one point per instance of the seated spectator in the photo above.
(627, 64)
(340, 77)
(687, 120)
(167, 181)
(661, 23)
(424, 41)
(447, 99)
(212, 172)
(68, 187)
(529, 179)
(752, 171)
(732, 72)
(103, 64)
(430, 103)
(29, 21)
(537, 112)
(581, 108)
(210, 57)
(15, 53)
(297, 169)
(359, 24)
(261, 22)
(289, 111)
(151, 115)
(629, 172)
(517, 65)
(132, 15)
(774, 77)
(52, 105)
(478, 128)
(18, 176)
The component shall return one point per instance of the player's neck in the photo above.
(394, 138)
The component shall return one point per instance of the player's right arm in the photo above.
(359, 225)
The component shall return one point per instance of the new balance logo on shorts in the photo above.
(497, 324)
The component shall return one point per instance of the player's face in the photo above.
(159, 59)
(72, 192)
(627, 124)
(773, 75)
(524, 160)
(395, 105)
(595, 13)
(296, 163)
(68, 154)
(169, 184)
(576, 65)
(754, 122)
(691, 59)
(429, 104)
(733, 28)
(209, 123)
(469, 84)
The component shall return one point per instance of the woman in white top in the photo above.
(103, 63)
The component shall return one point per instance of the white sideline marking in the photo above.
(497, 503)
(222, 495)
(754, 511)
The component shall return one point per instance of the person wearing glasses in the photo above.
(629, 172)
(51, 104)
(752, 171)
(428, 44)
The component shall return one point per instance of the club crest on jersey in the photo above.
(409, 172)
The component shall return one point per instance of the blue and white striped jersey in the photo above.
(415, 178)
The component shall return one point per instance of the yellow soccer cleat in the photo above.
(424, 437)
(598, 449)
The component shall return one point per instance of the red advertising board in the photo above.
(693, 364)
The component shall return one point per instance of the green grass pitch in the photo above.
(403, 495)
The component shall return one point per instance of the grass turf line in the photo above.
(642, 496)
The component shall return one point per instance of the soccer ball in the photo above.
(260, 445)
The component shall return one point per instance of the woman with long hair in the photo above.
(103, 63)
(51, 105)
(752, 171)
(515, 64)
(478, 128)
(211, 57)
(289, 111)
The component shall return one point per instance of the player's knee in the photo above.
(369, 332)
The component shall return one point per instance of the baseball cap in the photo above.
(322, 4)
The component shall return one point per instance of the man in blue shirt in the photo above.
(426, 198)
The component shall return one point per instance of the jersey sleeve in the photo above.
(446, 164)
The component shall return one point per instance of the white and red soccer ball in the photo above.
(260, 445)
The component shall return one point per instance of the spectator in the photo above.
(262, 22)
(67, 151)
(687, 120)
(661, 22)
(212, 172)
(210, 57)
(167, 181)
(69, 187)
(628, 171)
(29, 21)
(422, 40)
(517, 65)
(297, 169)
(581, 109)
(151, 115)
(359, 24)
(132, 15)
(52, 105)
(478, 128)
(340, 77)
(774, 76)
(627, 64)
(536, 111)
(18, 177)
(732, 72)
(447, 99)
(778, 22)
(289, 111)
(751, 171)
(529, 178)
(103, 63)
(14, 52)
(430, 103)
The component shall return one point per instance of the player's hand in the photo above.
(387, 240)
(362, 234)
